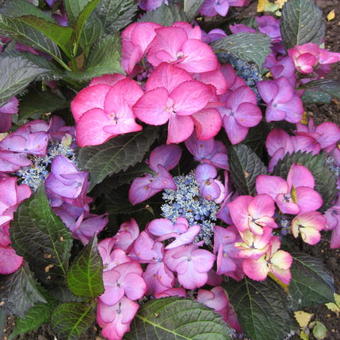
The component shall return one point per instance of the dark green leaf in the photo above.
(311, 282)
(251, 47)
(165, 15)
(245, 166)
(20, 291)
(60, 35)
(71, 320)
(33, 319)
(21, 32)
(302, 22)
(84, 277)
(19, 8)
(191, 8)
(325, 179)
(116, 155)
(311, 96)
(16, 74)
(116, 14)
(104, 57)
(326, 86)
(40, 236)
(91, 33)
(35, 103)
(261, 308)
(176, 318)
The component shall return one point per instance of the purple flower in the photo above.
(150, 5)
(239, 113)
(282, 101)
(270, 26)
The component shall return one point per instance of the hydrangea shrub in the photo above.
(159, 174)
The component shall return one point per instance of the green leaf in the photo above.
(261, 308)
(20, 291)
(325, 179)
(311, 283)
(40, 236)
(21, 32)
(103, 58)
(116, 155)
(251, 47)
(245, 166)
(319, 330)
(70, 320)
(60, 35)
(176, 318)
(82, 19)
(302, 22)
(116, 14)
(16, 74)
(326, 86)
(19, 8)
(35, 103)
(84, 277)
(191, 8)
(36, 316)
(74, 8)
(165, 15)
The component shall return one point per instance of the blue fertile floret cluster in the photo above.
(187, 202)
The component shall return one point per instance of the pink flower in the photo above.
(164, 229)
(172, 97)
(282, 101)
(254, 246)
(115, 320)
(191, 265)
(102, 112)
(332, 216)
(111, 257)
(126, 235)
(227, 261)
(6, 111)
(180, 292)
(274, 261)
(253, 213)
(294, 196)
(208, 151)
(174, 45)
(308, 56)
(327, 134)
(308, 225)
(239, 113)
(279, 143)
(123, 280)
(31, 138)
(136, 39)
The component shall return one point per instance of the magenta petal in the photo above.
(271, 185)
(208, 123)
(308, 199)
(9, 260)
(300, 176)
(204, 172)
(166, 155)
(248, 115)
(180, 128)
(238, 210)
(256, 269)
(236, 132)
(151, 108)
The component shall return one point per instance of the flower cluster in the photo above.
(173, 263)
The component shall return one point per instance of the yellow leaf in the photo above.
(304, 336)
(331, 15)
(303, 318)
(333, 307)
(337, 299)
(269, 6)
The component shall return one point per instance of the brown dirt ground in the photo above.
(325, 112)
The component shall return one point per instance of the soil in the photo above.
(331, 258)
